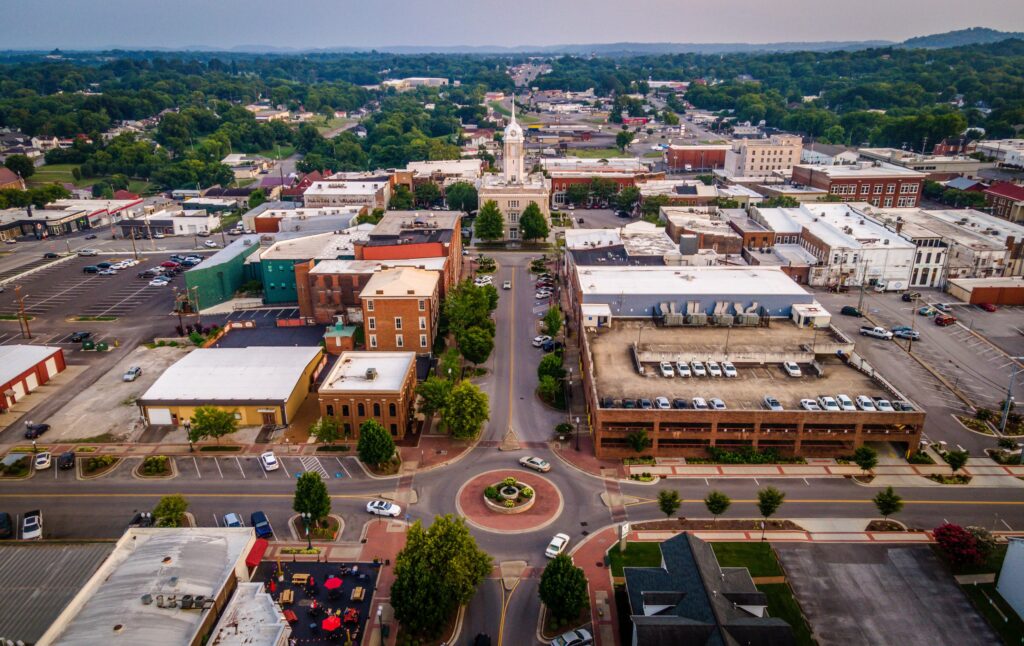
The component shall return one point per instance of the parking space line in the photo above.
(240, 469)
(196, 464)
(283, 466)
(342, 465)
(217, 462)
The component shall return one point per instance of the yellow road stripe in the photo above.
(169, 493)
(504, 607)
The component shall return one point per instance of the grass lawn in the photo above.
(636, 555)
(652, 154)
(324, 125)
(598, 153)
(272, 153)
(60, 173)
(782, 604)
(1010, 629)
(759, 557)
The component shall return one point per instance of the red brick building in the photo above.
(700, 157)
(370, 385)
(400, 309)
(1006, 201)
(881, 185)
(405, 235)
(23, 368)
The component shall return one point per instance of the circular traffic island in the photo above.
(509, 501)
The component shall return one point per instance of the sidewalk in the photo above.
(984, 472)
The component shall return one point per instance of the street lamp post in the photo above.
(307, 518)
(568, 397)
(188, 433)
(577, 432)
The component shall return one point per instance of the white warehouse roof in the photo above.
(16, 359)
(712, 281)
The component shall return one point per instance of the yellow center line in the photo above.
(504, 608)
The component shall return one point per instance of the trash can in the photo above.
(88, 345)
(102, 346)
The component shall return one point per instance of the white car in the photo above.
(535, 463)
(683, 370)
(662, 403)
(209, 243)
(713, 369)
(717, 403)
(771, 403)
(542, 295)
(43, 460)
(700, 404)
(557, 545)
(846, 403)
(507, 284)
(809, 404)
(792, 369)
(698, 369)
(159, 282)
(666, 369)
(829, 404)
(108, 272)
(729, 369)
(269, 461)
(884, 405)
(383, 508)
(866, 403)
(87, 252)
(538, 341)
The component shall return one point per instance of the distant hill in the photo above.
(960, 37)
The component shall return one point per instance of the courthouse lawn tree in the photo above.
(532, 223)
(311, 497)
(466, 412)
(437, 571)
(375, 446)
(490, 224)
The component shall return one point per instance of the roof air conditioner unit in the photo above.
(371, 374)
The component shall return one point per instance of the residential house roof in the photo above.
(1006, 189)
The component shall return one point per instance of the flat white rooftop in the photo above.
(373, 266)
(16, 359)
(349, 373)
(251, 618)
(344, 187)
(233, 374)
(863, 170)
(717, 281)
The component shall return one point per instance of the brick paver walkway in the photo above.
(546, 507)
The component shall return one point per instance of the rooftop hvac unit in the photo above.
(371, 374)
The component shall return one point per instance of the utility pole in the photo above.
(22, 316)
(195, 291)
(135, 252)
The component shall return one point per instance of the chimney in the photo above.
(899, 225)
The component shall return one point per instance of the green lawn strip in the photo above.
(636, 555)
(1010, 629)
(278, 152)
(598, 153)
(759, 557)
(783, 605)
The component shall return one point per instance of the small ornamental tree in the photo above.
(956, 459)
(866, 458)
(548, 388)
(888, 502)
(490, 224)
(669, 502)
(639, 441)
(209, 421)
(433, 395)
(563, 589)
(466, 412)
(311, 497)
(957, 545)
(325, 430)
(375, 444)
(552, 321)
(717, 503)
(170, 511)
(551, 366)
(769, 500)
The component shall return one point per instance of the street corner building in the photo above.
(23, 368)
(260, 385)
(371, 385)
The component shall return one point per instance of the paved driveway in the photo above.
(880, 594)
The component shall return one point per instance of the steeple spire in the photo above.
(513, 107)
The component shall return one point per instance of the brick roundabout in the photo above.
(469, 501)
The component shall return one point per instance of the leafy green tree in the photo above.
(210, 421)
(622, 139)
(781, 201)
(466, 412)
(956, 459)
(427, 194)
(433, 394)
(375, 444)
(552, 321)
(627, 198)
(769, 500)
(470, 306)
(717, 503)
(325, 430)
(551, 366)
(170, 511)
(451, 365)
(401, 198)
(462, 196)
(865, 457)
(603, 190)
(475, 344)
(21, 165)
(651, 207)
(257, 197)
(669, 118)
(490, 224)
(888, 502)
(563, 589)
(311, 497)
(532, 223)
(669, 502)
(638, 440)
(547, 388)
(577, 194)
(437, 571)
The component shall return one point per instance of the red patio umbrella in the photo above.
(330, 624)
(332, 583)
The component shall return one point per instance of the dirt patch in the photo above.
(684, 524)
(884, 526)
(107, 408)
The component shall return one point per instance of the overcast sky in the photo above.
(222, 24)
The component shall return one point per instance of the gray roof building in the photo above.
(690, 599)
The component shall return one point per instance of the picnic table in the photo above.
(300, 579)
(358, 593)
(287, 596)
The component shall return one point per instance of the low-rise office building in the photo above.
(285, 264)
(1006, 201)
(23, 368)
(262, 386)
(877, 183)
(409, 235)
(752, 157)
(996, 291)
(400, 309)
(373, 192)
(251, 618)
(43, 223)
(281, 217)
(696, 157)
(681, 417)
(817, 153)
(936, 167)
(711, 229)
(1005, 151)
(679, 192)
(371, 385)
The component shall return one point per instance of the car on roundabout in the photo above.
(383, 508)
(557, 545)
(535, 463)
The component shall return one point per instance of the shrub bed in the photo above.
(155, 466)
(97, 464)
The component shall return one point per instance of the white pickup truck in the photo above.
(877, 332)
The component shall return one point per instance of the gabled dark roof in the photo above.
(692, 600)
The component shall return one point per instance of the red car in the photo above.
(942, 320)
(170, 264)
(988, 307)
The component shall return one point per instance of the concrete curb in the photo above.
(11, 279)
(173, 474)
(547, 523)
